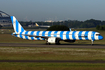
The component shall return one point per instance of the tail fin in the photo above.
(16, 25)
(36, 24)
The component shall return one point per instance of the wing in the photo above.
(45, 37)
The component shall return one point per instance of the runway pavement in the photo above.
(95, 46)
(55, 61)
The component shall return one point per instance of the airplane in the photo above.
(41, 26)
(53, 36)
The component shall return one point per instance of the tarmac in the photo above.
(89, 46)
(54, 61)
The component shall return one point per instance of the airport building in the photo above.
(5, 19)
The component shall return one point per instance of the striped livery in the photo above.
(62, 35)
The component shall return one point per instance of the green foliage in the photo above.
(100, 27)
(58, 28)
(69, 23)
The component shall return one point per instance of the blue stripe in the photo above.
(73, 35)
(21, 35)
(38, 35)
(32, 32)
(17, 26)
(55, 33)
(67, 35)
(26, 34)
(22, 30)
(86, 35)
(92, 36)
(100, 37)
(49, 33)
(15, 35)
(43, 33)
(61, 35)
(80, 35)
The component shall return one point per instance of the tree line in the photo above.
(100, 25)
(70, 23)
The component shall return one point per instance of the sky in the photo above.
(56, 10)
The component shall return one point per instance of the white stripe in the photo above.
(40, 38)
(19, 27)
(46, 33)
(14, 23)
(96, 37)
(29, 34)
(76, 35)
(52, 33)
(23, 35)
(40, 34)
(83, 33)
(58, 33)
(64, 35)
(18, 36)
(89, 35)
(35, 33)
(70, 35)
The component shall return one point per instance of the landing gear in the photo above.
(56, 42)
(47, 43)
(92, 42)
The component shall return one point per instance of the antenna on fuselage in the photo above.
(70, 29)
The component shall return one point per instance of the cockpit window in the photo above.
(97, 34)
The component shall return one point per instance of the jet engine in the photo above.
(52, 40)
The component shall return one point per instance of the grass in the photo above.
(32, 53)
(51, 66)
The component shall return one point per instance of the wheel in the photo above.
(47, 43)
(92, 44)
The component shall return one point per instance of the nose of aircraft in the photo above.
(100, 37)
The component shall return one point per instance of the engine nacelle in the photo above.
(52, 40)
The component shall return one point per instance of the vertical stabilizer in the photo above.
(36, 24)
(16, 25)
